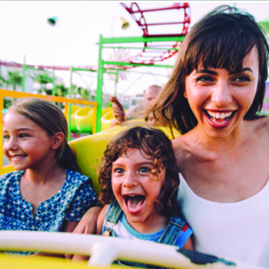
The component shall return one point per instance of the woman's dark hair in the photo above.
(154, 143)
(50, 118)
(221, 39)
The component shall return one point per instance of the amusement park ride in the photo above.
(155, 49)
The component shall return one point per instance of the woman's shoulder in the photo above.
(180, 146)
(260, 126)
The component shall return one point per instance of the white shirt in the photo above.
(239, 231)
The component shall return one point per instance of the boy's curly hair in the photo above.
(152, 142)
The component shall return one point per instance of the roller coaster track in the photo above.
(151, 52)
(168, 50)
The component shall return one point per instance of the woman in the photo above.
(213, 98)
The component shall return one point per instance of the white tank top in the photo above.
(239, 231)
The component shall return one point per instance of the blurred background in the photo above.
(66, 33)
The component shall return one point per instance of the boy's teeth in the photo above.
(134, 201)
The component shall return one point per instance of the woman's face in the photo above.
(219, 99)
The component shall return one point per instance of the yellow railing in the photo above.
(67, 111)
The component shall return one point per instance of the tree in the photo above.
(61, 90)
(43, 79)
(14, 79)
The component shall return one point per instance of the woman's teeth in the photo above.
(219, 115)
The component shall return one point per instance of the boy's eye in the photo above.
(144, 170)
(118, 170)
(6, 136)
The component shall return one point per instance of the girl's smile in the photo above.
(220, 99)
(136, 189)
(26, 144)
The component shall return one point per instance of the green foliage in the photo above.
(265, 25)
(14, 79)
(61, 90)
(42, 78)
(7, 103)
(3, 81)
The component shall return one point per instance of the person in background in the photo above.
(214, 98)
(46, 193)
(134, 112)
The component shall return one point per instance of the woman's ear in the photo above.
(185, 94)
(57, 140)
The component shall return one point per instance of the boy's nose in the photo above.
(221, 95)
(130, 180)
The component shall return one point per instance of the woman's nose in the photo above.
(221, 95)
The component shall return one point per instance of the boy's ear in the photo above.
(57, 140)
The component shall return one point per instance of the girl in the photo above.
(213, 98)
(139, 180)
(46, 193)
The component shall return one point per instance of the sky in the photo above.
(26, 35)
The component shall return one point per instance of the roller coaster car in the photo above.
(102, 250)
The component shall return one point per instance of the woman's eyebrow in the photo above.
(206, 71)
(211, 72)
(244, 69)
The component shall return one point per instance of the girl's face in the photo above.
(26, 144)
(220, 99)
(134, 190)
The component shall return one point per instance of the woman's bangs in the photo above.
(219, 49)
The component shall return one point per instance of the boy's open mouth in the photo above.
(134, 202)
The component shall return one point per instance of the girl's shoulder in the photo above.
(11, 176)
(76, 177)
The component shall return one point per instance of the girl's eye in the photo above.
(6, 136)
(144, 170)
(23, 135)
(205, 79)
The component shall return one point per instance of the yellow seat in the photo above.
(89, 149)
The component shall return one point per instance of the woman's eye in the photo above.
(204, 79)
(241, 79)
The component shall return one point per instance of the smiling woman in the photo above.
(213, 98)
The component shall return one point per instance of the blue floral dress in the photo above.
(69, 204)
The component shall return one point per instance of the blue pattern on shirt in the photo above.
(69, 204)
